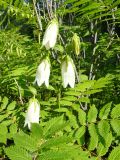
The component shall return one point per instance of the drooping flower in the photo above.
(76, 43)
(68, 72)
(50, 36)
(43, 72)
(33, 113)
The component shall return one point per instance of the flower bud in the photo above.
(43, 72)
(76, 43)
(33, 112)
(68, 72)
(50, 36)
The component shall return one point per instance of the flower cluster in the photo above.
(67, 72)
(43, 70)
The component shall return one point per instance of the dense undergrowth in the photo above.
(78, 123)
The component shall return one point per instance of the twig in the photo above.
(37, 15)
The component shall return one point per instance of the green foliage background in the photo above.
(75, 124)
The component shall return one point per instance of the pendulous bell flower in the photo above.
(50, 36)
(33, 113)
(68, 72)
(76, 43)
(43, 72)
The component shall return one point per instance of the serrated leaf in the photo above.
(54, 155)
(115, 123)
(56, 141)
(104, 112)
(52, 124)
(11, 106)
(25, 141)
(4, 103)
(36, 131)
(103, 149)
(116, 111)
(33, 90)
(92, 91)
(115, 154)
(84, 85)
(13, 129)
(17, 153)
(82, 117)
(59, 48)
(92, 114)
(3, 129)
(104, 128)
(72, 119)
(93, 136)
(79, 135)
(70, 98)
(84, 99)
(65, 103)
(72, 93)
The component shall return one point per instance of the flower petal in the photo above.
(32, 115)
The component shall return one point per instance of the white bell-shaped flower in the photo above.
(33, 113)
(50, 36)
(43, 72)
(68, 72)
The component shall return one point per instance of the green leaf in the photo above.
(53, 125)
(17, 153)
(4, 103)
(82, 87)
(92, 114)
(25, 141)
(54, 155)
(72, 93)
(84, 99)
(13, 129)
(70, 98)
(116, 111)
(103, 149)
(32, 90)
(104, 128)
(56, 141)
(72, 119)
(104, 112)
(93, 136)
(115, 154)
(3, 133)
(79, 135)
(65, 103)
(59, 48)
(36, 131)
(115, 123)
(82, 117)
(3, 129)
(11, 106)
